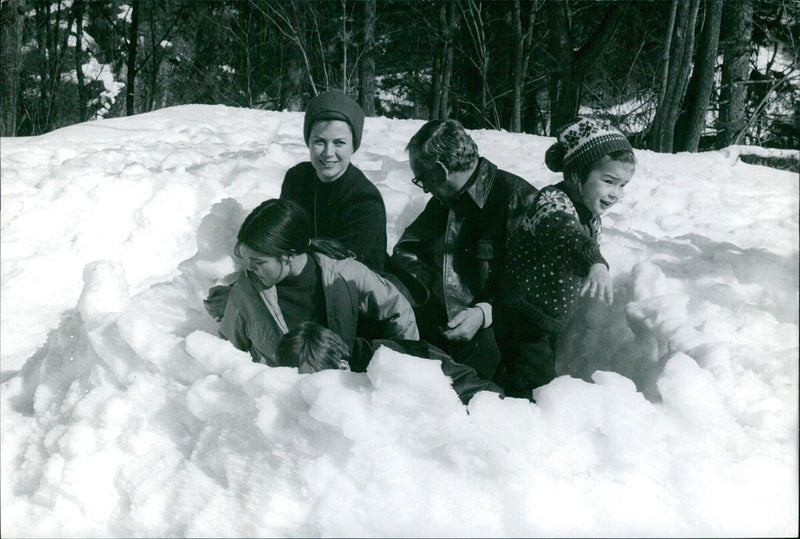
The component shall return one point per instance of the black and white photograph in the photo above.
(399, 268)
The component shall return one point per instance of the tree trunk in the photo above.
(441, 77)
(367, 79)
(662, 132)
(293, 95)
(692, 122)
(42, 14)
(564, 57)
(571, 64)
(519, 48)
(473, 17)
(152, 83)
(345, 43)
(521, 57)
(665, 65)
(737, 28)
(436, 71)
(449, 58)
(79, 6)
(133, 40)
(10, 62)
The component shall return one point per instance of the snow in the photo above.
(124, 415)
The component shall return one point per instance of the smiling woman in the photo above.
(341, 202)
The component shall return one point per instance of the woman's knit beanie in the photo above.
(581, 142)
(334, 105)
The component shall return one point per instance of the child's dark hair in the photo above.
(312, 348)
(279, 227)
(582, 170)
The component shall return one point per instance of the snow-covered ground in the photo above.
(124, 415)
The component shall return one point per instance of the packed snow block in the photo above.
(64, 366)
(155, 348)
(104, 295)
(340, 399)
(405, 381)
(216, 236)
(716, 358)
(214, 354)
(213, 396)
(648, 281)
(691, 393)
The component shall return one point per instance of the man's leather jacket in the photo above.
(470, 237)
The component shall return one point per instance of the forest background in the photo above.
(675, 75)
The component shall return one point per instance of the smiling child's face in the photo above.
(604, 186)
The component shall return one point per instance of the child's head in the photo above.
(596, 159)
(312, 348)
(276, 227)
(270, 237)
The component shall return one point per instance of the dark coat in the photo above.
(451, 258)
(349, 210)
(474, 231)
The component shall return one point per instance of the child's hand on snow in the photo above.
(598, 284)
(464, 325)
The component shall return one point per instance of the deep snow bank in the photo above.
(129, 417)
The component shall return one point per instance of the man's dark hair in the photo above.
(445, 141)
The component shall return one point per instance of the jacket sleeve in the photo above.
(409, 260)
(565, 235)
(466, 382)
(379, 299)
(232, 327)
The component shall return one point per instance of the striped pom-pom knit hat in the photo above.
(582, 142)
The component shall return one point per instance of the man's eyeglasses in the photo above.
(431, 176)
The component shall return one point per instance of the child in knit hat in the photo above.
(554, 255)
(342, 203)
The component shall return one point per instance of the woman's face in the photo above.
(270, 270)
(604, 186)
(330, 146)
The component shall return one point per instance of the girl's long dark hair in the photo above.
(279, 227)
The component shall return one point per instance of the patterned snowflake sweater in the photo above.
(548, 259)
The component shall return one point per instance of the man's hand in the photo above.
(598, 284)
(464, 325)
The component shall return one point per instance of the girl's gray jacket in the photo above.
(253, 321)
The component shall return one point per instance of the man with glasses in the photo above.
(451, 256)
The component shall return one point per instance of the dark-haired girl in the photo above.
(554, 255)
(289, 278)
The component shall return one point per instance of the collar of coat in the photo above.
(480, 183)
